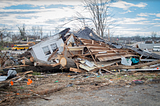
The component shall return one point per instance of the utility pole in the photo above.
(108, 35)
(50, 33)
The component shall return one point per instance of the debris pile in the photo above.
(85, 51)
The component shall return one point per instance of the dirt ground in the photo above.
(71, 89)
(139, 95)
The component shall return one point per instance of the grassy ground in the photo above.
(4, 48)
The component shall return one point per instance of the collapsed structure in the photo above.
(85, 51)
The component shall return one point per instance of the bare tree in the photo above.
(99, 11)
(41, 32)
(37, 31)
(153, 35)
(22, 31)
(2, 33)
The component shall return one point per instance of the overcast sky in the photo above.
(132, 17)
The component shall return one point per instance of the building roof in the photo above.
(87, 33)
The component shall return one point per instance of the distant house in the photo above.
(148, 45)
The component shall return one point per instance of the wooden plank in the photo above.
(86, 67)
(113, 57)
(107, 71)
(75, 70)
(108, 54)
(92, 56)
(108, 51)
(97, 48)
(109, 63)
(68, 38)
(50, 57)
(75, 48)
(86, 44)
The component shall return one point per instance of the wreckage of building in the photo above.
(85, 51)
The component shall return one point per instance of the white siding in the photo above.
(37, 49)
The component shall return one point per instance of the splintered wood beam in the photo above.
(76, 70)
(76, 40)
(50, 57)
(68, 38)
(92, 41)
(107, 70)
(92, 56)
(69, 51)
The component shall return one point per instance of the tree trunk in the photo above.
(67, 63)
(45, 64)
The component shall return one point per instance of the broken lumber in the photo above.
(132, 67)
(75, 70)
(50, 57)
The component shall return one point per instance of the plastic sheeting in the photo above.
(125, 61)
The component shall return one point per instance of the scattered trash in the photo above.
(69, 85)
(138, 81)
(134, 60)
(11, 82)
(55, 81)
(125, 61)
(11, 73)
(29, 82)
(127, 86)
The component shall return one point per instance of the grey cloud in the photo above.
(18, 12)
